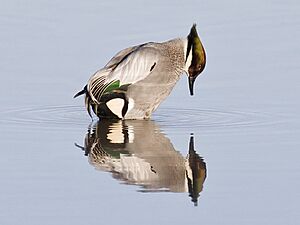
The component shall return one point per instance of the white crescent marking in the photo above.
(130, 104)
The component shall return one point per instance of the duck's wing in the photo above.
(137, 65)
(99, 80)
(120, 56)
(128, 66)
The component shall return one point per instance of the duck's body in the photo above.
(164, 70)
(137, 79)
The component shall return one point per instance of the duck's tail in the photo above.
(87, 99)
(83, 91)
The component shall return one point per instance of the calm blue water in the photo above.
(59, 167)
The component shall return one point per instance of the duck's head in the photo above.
(195, 58)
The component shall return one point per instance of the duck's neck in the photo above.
(176, 50)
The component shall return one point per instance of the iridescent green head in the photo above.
(195, 57)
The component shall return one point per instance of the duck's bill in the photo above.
(191, 84)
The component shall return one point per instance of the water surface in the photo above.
(232, 149)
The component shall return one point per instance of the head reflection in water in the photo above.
(136, 152)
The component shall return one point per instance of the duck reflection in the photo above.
(137, 152)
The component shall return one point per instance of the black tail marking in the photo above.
(81, 92)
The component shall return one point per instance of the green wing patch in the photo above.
(112, 86)
(115, 85)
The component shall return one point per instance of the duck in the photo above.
(138, 79)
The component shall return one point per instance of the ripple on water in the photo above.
(46, 116)
(75, 116)
(212, 119)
